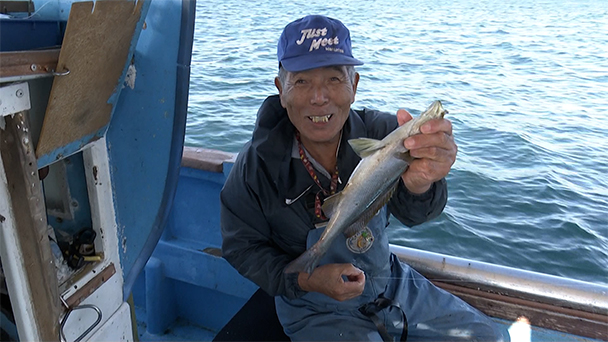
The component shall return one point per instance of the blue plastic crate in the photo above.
(28, 34)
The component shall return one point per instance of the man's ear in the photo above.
(277, 83)
(355, 84)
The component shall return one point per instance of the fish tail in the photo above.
(307, 262)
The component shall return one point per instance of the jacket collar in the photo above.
(273, 141)
(272, 135)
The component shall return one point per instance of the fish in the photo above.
(368, 189)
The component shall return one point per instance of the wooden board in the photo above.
(32, 247)
(95, 50)
(28, 63)
(205, 159)
(11, 6)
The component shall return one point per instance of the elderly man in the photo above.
(271, 205)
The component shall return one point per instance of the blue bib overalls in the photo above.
(431, 313)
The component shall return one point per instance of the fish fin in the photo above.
(370, 212)
(330, 204)
(357, 226)
(365, 146)
(306, 262)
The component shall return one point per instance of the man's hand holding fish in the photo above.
(434, 151)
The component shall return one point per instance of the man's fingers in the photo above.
(439, 139)
(403, 116)
(354, 284)
(353, 287)
(437, 125)
(434, 153)
(356, 275)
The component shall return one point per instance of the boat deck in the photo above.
(180, 330)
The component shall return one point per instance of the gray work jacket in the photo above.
(267, 211)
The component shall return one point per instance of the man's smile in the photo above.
(319, 119)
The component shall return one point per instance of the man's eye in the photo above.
(335, 79)
(299, 81)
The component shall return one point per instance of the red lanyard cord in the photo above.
(332, 187)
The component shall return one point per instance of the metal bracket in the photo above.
(73, 302)
(14, 98)
(90, 287)
(65, 319)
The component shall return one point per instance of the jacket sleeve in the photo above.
(413, 209)
(246, 239)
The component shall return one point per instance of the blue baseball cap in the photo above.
(315, 41)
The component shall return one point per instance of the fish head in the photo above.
(434, 111)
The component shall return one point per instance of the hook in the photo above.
(60, 73)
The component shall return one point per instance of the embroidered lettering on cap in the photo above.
(315, 44)
(311, 33)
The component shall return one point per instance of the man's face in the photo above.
(318, 101)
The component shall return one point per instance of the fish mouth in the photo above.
(320, 118)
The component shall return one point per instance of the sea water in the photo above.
(526, 85)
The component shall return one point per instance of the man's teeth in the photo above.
(324, 118)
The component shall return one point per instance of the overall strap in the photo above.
(371, 310)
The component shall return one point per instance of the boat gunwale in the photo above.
(508, 281)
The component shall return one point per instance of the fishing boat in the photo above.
(110, 225)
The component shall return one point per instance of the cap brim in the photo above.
(308, 62)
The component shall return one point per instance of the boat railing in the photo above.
(508, 281)
(546, 301)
